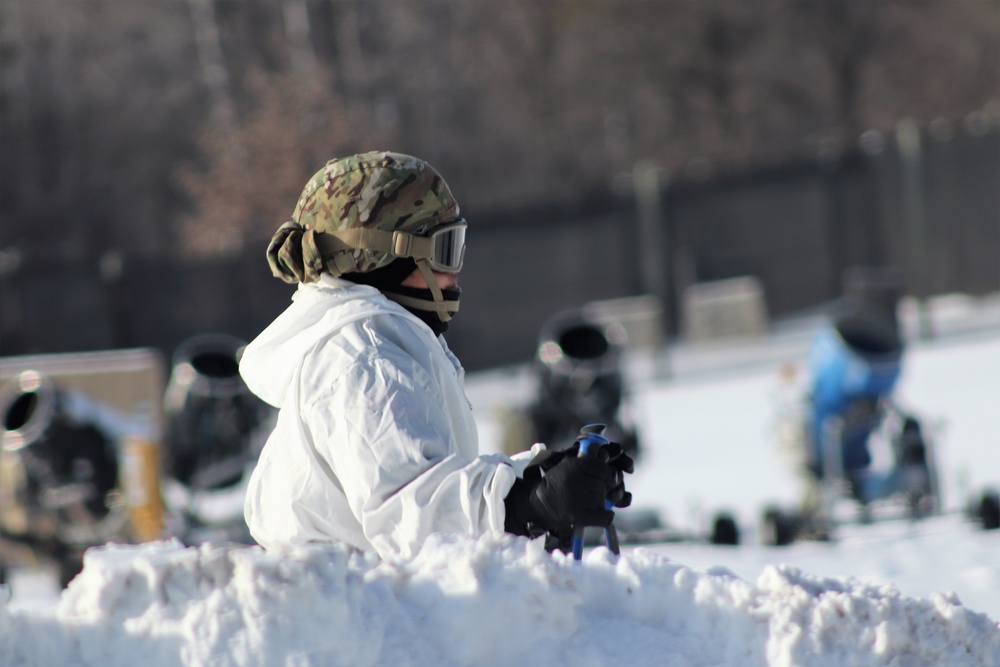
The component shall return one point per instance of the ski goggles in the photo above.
(443, 247)
(448, 247)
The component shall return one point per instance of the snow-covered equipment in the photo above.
(215, 428)
(853, 367)
(591, 440)
(578, 368)
(69, 473)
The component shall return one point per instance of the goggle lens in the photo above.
(449, 248)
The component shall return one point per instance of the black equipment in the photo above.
(216, 428)
(60, 474)
(211, 415)
(580, 381)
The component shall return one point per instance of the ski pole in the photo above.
(592, 434)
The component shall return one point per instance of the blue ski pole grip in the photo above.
(591, 440)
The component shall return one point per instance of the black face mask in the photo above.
(387, 278)
(428, 317)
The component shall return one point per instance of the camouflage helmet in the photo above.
(347, 215)
(361, 213)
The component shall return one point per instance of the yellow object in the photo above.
(141, 485)
(14, 518)
(515, 430)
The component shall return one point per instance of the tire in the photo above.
(725, 530)
(989, 511)
(777, 529)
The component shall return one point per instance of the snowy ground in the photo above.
(709, 440)
(889, 593)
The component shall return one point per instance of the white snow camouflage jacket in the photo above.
(375, 443)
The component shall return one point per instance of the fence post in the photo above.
(914, 218)
(654, 262)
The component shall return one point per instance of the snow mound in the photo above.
(493, 601)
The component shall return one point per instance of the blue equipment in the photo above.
(855, 363)
(591, 440)
(853, 371)
(856, 439)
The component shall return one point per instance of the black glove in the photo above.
(571, 493)
(613, 452)
(618, 458)
(622, 463)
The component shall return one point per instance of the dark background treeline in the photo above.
(148, 149)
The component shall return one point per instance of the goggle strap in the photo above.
(420, 304)
(405, 244)
(439, 305)
(340, 264)
(399, 243)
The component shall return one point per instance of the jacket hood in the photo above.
(270, 361)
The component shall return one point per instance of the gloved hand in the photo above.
(561, 490)
(622, 463)
(614, 452)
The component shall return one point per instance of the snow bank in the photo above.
(495, 601)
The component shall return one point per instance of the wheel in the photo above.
(989, 511)
(69, 566)
(725, 530)
(777, 529)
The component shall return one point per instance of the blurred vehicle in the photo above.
(847, 411)
(74, 473)
(215, 429)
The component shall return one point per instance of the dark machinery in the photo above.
(59, 471)
(579, 380)
(215, 430)
(984, 509)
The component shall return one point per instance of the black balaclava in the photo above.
(387, 280)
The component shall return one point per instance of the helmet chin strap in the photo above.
(443, 308)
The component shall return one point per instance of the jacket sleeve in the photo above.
(390, 441)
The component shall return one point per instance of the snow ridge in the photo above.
(494, 601)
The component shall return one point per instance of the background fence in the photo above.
(930, 208)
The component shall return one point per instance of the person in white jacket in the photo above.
(375, 444)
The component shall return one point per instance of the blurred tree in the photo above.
(215, 75)
(95, 106)
(520, 103)
(253, 174)
(289, 122)
(934, 59)
(847, 34)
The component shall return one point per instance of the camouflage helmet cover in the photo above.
(378, 190)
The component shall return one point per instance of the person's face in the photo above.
(444, 280)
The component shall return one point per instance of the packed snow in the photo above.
(499, 601)
(893, 592)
